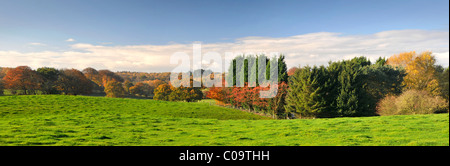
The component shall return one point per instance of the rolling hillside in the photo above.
(80, 120)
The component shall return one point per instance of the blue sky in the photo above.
(45, 25)
(161, 22)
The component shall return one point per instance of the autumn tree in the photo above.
(420, 70)
(136, 77)
(114, 89)
(107, 76)
(421, 74)
(22, 78)
(292, 70)
(177, 94)
(93, 75)
(127, 85)
(102, 77)
(402, 59)
(3, 71)
(162, 92)
(73, 82)
(141, 89)
(216, 93)
(154, 83)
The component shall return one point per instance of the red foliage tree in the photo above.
(216, 93)
(249, 98)
(22, 78)
(292, 70)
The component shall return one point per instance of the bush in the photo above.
(387, 106)
(412, 102)
(185, 94)
(193, 94)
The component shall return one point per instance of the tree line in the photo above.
(136, 77)
(46, 80)
(405, 83)
(346, 88)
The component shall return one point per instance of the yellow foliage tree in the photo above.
(162, 92)
(114, 89)
(402, 59)
(420, 70)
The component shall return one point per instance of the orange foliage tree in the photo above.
(216, 93)
(154, 83)
(162, 92)
(22, 78)
(292, 70)
(92, 75)
(107, 76)
(420, 70)
(101, 78)
(3, 71)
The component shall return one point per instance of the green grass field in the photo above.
(79, 120)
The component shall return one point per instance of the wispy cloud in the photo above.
(306, 49)
(36, 44)
(70, 40)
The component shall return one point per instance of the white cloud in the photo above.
(307, 49)
(36, 44)
(442, 58)
(70, 40)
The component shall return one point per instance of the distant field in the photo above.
(79, 120)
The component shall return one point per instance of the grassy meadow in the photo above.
(81, 120)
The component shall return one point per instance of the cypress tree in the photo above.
(251, 62)
(282, 69)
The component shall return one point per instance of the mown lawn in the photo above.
(78, 120)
